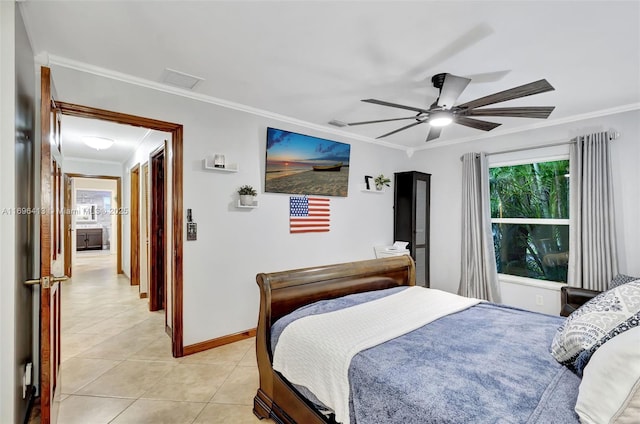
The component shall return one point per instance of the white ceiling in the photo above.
(315, 61)
(126, 139)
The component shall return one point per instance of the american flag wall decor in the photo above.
(309, 214)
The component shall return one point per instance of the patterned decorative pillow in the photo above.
(621, 279)
(595, 322)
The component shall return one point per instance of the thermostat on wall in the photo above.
(192, 231)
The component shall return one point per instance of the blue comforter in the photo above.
(487, 364)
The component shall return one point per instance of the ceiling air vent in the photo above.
(180, 79)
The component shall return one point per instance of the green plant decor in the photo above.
(381, 181)
(247, 190)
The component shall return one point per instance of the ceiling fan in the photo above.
(444, 110)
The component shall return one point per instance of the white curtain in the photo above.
(478, 276)
(592, 247)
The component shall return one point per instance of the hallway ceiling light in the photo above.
(98, 143)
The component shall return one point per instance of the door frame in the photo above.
(134, 256)
(67, 222)
(49, 302)
(176, 158)
(144, 230)
(50, 299)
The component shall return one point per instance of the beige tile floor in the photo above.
(117, 365)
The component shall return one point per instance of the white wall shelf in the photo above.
(364, 188)
(207, 163)
(251, 206)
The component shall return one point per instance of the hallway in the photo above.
(117, 365)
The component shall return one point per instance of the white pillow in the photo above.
(610, 387)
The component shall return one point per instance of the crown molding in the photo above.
(142, 82)
(409, 150)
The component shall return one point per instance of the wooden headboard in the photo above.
(283, 292)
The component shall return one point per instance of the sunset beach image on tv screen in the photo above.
(302, 164)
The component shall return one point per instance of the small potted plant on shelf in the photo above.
(381, 181)
(247, 194)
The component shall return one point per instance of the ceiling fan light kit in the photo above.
(444, 111)
(440, 118)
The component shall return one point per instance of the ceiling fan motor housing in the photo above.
(438, 80)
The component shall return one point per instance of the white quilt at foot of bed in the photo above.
(316, 351)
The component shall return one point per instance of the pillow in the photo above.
(620, 279)
(595, 322)
(610, 387)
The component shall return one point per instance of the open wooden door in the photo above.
(157, 249)
(49, 285)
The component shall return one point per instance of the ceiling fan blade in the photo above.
(383, 103)
(434, 132)
(483, 77)
(381, 120)
(541, 112)
(475, 123)
(536, 87)
(402, 129)
(461, 43)
(452, 87)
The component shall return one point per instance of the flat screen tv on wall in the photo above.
(302, 164)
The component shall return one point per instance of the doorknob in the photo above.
(59, 279)
(45, 281)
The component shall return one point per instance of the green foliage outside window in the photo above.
(531, 193)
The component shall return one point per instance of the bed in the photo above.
(427, 373)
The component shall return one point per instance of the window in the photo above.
(530, 219)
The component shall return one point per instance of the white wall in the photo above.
(235, 244)
(8, 377)
(446, 182)
(538, 296)
(92, 167)
(220, 292)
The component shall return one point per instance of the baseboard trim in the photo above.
(143, 295)
(220, 341)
